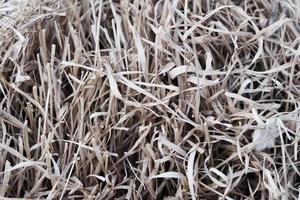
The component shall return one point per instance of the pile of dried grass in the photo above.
(141, 99)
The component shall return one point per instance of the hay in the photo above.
(149, 99)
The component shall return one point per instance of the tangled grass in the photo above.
(147, 99)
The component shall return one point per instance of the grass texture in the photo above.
(149, 99)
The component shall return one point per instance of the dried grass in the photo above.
(149, 99)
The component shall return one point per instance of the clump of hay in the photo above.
(149, 99)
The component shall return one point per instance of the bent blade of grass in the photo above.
(177, 175)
